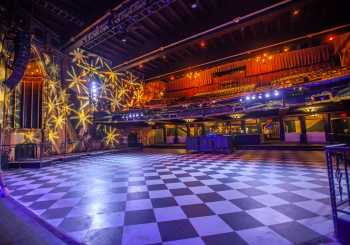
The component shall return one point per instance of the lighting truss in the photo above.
(120, 22)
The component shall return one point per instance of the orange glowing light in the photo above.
(172, 78)
(296, 12)
(286, 49)
(202, 44)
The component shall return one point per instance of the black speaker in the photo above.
(22, 55)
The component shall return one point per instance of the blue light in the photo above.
(267, 95)
(253, 97)
(94, 91)
(276, 93)
(260, 96)
(247, 98)
(240, 99)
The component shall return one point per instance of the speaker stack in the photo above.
(21, 59)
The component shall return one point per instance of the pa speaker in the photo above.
(22, 55)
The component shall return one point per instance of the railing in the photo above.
(23, 151)
(338, 164)
(32, 151)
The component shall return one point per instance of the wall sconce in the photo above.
(189, 120)
(309, 109)
(151, 123)
(236, 116)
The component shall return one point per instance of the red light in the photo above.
(172, 78)
(140, 66)
(342, 115)
(202, 44)
(331, 38)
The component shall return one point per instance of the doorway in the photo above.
(270, 129)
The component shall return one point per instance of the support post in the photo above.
(282, 131)
(176, 136)
(327, 127)
(203, 129)
(243, 126)
(303, 138)
(164, 134)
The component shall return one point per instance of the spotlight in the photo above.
(194, 4)
(247, 98)
(240, 99)
(331, 38)
(253, 97)
(296, 12)
(267, 95)
(124, 40)
(276, 93)
(260, 96)
(140, 66)
(172, 78)
(202, 44)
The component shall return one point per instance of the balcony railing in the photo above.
(338, 164)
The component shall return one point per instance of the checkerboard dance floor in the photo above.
(162, 198)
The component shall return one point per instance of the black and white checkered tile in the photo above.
(141, 198)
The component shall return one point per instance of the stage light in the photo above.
(140, 66)
(267, 95)
(331, 38)
(172, 78)
(247, 98)
(194, 4)
(260, 96)
(124, 40)
(202, 44)
(296, 12)
(286, 49)
(276, 93)
(253, 97)
(93, 91)
(240, 99)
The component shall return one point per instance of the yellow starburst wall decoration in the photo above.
(84, 118)
(91, 77)
(112, 137)
(30, 137)
(52, 136)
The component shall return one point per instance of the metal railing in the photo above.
(338, 166)
(38, 151)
